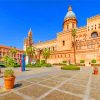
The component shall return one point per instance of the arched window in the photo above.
(94, 35)
(63, 43)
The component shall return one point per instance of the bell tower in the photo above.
(30, 40)
(70, 20)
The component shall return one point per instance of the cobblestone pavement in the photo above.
(58, 85)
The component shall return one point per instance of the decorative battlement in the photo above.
(94, 17)
(46, 42)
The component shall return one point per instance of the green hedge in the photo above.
(64, 61)
(93, 61)
(82, 61)
(70, 67)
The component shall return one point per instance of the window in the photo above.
(94, 35)
(99, 25)
(95, 26)
(72, 25)
(92, 27)
(63, 43)
(53, 48)
(67, 26)
(0, 54)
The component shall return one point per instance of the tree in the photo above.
(13, 51)
(46, 54)
(74, 43)
(30, 52)
(5, 59)
(9, 61)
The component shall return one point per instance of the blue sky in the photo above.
(45, 17)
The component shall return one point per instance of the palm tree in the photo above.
(74, 43)
(13, 51)
(46, 54)
(30, 51)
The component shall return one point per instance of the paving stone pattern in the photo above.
(64, 85)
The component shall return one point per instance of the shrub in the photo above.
(36, 65)
(8, 73)
(82, 61)
(47, 65)
(29, 65)
(93, 61)
(42, 62)
(70, 67)
(64, 61)
(10, 62)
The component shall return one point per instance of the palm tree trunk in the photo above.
(74, 51)
(46, 60)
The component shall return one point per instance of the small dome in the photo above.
(70, 13)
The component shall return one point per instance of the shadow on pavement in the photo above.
(17, 85)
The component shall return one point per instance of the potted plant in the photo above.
(95, 72)
(9, 78)
(95, 69)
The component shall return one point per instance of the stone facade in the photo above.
(87, 41)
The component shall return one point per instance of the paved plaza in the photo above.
(56, 84)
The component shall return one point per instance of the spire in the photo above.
(30, 32)
(69, 8)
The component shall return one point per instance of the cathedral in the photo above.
(61, 48)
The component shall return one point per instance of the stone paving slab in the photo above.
(78, 82)
(95, 85)
(66, 75)
(47, 77)
(34, 91)
(56, 95)
(95, 78)
(36, 79)
(58, 78)
(73, 88)
(50, 83)
(82, 77)
(11, 96)
(95, 94)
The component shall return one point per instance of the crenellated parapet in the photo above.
(93, 18)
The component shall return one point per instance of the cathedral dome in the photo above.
(70, 13)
